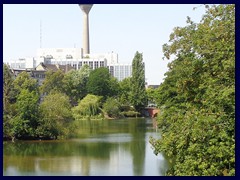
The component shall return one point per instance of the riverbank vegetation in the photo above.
(197, 97)
(50, 110)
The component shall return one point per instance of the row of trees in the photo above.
(197, 97)
(78, 94)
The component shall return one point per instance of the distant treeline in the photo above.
(49, 111)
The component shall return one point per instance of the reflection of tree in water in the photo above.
(137, 146)
(54, 155)
(85, 166)
(100, 141)
(96, 127)
(57, 148)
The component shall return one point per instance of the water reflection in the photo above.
(118, 147)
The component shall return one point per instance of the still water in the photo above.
(102, 148)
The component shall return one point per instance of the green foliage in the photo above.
(151, 95)
(24, 81)
(112, 108)
(125, 91)
(21, 98)
(53, 82)
(55, 116)
(130, 113)
(8, 79)
(197, 98)
(8, 97)
(25, 122)
(114, 87)
(100, 83)
(74, 83)
(138, 92)
(89, 106)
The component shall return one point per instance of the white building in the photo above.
(75, 58)
(112, 58)
(23, 63)
(60, 53)
(78, 63)
(120, 71)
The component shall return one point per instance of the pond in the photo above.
(102, 148)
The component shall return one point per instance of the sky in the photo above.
(121, 28)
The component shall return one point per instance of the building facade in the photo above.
(75, 58)
(120, 71)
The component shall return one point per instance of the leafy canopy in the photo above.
(138, 93)
(197, 97)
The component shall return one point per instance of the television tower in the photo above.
(85, 9)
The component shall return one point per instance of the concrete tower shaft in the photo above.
(86, 9)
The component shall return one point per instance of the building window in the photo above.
(111, 70)
(91, 65)
(101, 64)
(96, 64)
(79, 65)
(75, 66)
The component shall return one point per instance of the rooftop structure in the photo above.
(54, 67)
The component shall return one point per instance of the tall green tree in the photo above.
(53, 82)
(24, 107)
(24, 124)
(8, 79)
(24, 81)
(114, 87)
(125, 91)
(56, 116)
(100, 83)
(197, 98)
(75, 82)
(138, 91)
(9, 98)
